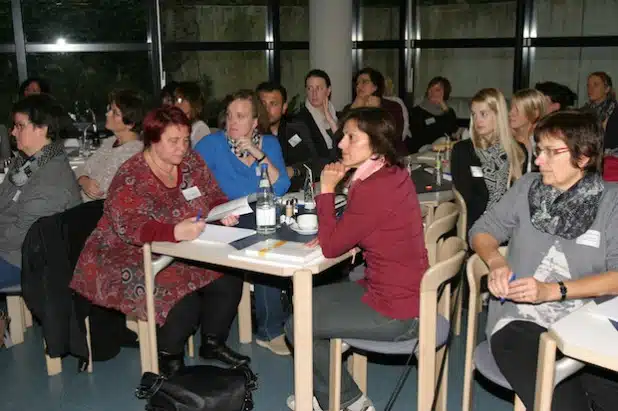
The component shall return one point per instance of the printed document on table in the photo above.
(240, 206)
(222, 234)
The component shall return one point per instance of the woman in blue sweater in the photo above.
(234, 156)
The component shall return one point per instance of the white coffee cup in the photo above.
(307, 221)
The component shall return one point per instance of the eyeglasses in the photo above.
(549, 152)
(116, 113)
(21, 126)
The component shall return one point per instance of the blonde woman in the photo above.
(528, 106)
(484, 166)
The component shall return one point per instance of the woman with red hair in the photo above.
(156, 196)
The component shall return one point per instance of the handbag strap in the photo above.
(144, 391)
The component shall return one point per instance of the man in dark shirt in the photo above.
(294, 137)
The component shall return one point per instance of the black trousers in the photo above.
(212, 308)
(516, 347)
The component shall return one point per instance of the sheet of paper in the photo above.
(223, 235)
(608, 309)
(240, 206)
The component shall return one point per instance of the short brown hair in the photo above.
(161, 118)
(581, 132)
(257, 108)
(380, 127)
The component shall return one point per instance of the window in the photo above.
(219, 72)
(493, 67)
(294, 67)
(571, 66)
(556, 18)
(245, 21)
(76, 21)
(386, 61)
(294, 20)
(88, 78)
(6, 22)
(467, 19)
(386, 12)
(8, 86)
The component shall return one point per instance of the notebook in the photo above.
(281, 250)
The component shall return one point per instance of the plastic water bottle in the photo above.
(265, 208)
(438, 169)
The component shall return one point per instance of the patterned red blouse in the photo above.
(138, 206)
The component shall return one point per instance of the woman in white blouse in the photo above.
(124, 118)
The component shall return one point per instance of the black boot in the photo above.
(213, 348)
(170, 364)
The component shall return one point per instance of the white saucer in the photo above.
(294, 226)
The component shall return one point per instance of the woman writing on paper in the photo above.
(562, 229)
(234, 155)
(156, 196)
(385, 304)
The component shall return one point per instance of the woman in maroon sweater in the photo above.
(156, 196)
(383, 218)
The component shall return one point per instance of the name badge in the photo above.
(476, 171)
(294, 140)
(191, 193)
(16, 196)
(429, 121)
(591, 238)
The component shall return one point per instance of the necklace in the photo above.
(168, 174)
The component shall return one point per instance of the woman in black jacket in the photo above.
(432, 118)
(484, 166)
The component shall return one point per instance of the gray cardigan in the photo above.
(49, 190)
(548, 258)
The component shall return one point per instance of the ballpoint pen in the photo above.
(199, 215)
(511, 279)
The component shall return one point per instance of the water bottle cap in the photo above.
(263, 166)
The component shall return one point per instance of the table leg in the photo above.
(244, 315)
(303, 340)
(150, 309)
(545, 373)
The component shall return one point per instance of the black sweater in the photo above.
(426, 128)
(473, 189)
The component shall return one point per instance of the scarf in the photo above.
(603, 110)
(22, 168)
(320, 120)
(431, 108)
(365, 170)
(255, 139)
(495, 167)
(567, 214)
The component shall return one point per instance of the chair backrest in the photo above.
(476, 269)
(451, 253)
(445, 219)
(449, 257)
(462, 222)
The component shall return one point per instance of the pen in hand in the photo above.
(511, 279)
(199, 215)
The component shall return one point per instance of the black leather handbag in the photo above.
(199, 388)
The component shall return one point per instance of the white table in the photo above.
(581, 335)
(303, 290)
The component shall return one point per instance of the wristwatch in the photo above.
(563, 291)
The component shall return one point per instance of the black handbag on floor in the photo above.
(199, 388)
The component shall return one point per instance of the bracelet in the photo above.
(563, 291)
(259, 160)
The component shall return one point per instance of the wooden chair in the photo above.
(20, 316)
(445, 218)
(480, 357)
(462, 232)
(433, 334)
